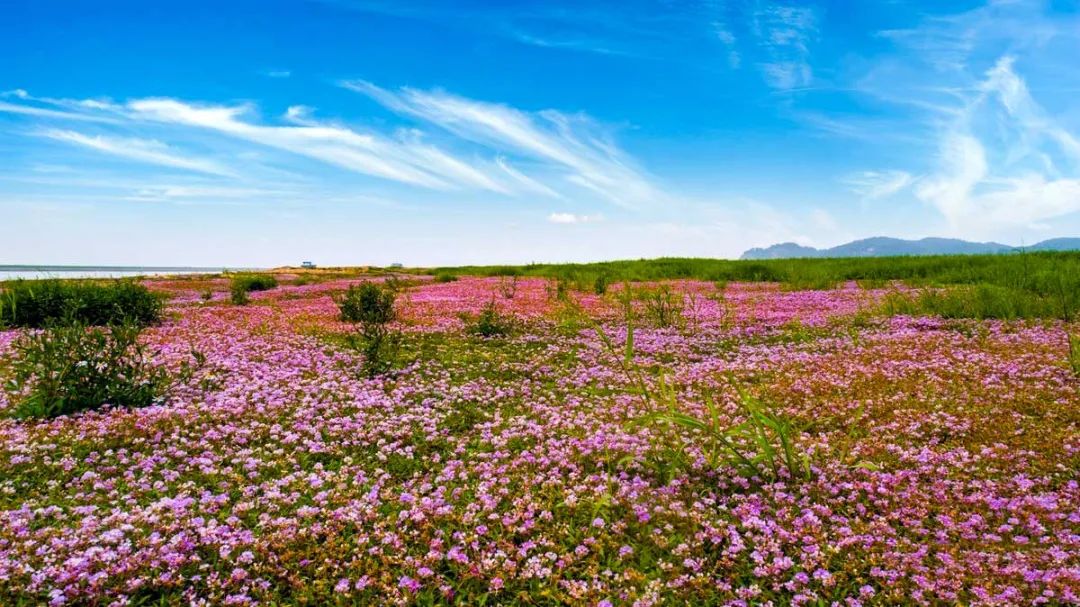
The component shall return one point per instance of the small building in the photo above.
(308, 265)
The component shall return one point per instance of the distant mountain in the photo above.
(784, 250)
(882, 246)
(1057, 244)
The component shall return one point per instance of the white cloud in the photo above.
(872, 185)
(299, 114)
(573, 143)
(406, 161)
(570, 218)
(43, 112)
(530, 184)
(477, 146)
(962, 165)
(729, 41)
(998, 160)
(180, 192)
(141, 150)
(1012, 92)
(784, 34)
(1028, 200)
(1033, 174)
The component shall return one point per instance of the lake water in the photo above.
(32, 272)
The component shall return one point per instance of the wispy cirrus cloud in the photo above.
(872, 185)
(784, 33)
(1004, 160)
(25, 104)
(730, 42)
(587, 154)
(651, 29)
(409, 162)
(953, 91)
(457, 144)
(141, 150)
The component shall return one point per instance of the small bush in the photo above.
(37, 303)
(558, 289)
(600, 284)
(508, 286)
(367, 302)
(238, 295)
(490, 322)
(71, 367)
(442, 277)
(254, 282)
(372, 306)
(242, 284)
(380, 348)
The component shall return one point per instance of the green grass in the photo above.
(979, 302)
(1046, 283)
(1074, 354)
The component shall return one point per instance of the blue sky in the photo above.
(356, 131)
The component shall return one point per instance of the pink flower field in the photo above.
(941, 458)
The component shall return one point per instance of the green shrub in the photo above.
(367, 302)
(600, 284)
(442, 277)
(242, 284)
(254, 282)
(371, 306)
(70, 367)
(490, 322)
(37, 303)
(238, 295)
(558, 289)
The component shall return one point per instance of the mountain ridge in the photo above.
(883, 246)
